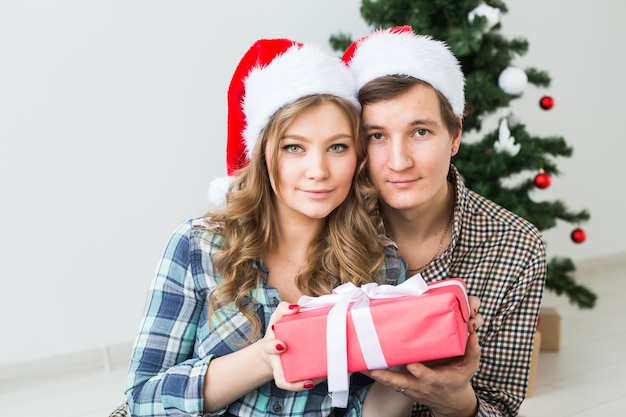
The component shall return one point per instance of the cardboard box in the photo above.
(429, 326)
(550, 327)
(534, 363)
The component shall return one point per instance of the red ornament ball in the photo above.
(546, 102)
(578, 235)
(542, 180)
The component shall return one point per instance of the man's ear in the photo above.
(456, 138)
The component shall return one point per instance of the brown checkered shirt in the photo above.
(502, 259)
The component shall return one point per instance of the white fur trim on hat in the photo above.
(299, 72)
(391, 52)
(218, 187)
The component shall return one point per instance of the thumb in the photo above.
(472, 352)
(472, 349)
(275, 347)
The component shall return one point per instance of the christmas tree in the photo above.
(471, 28)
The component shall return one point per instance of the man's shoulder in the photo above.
(482, 209)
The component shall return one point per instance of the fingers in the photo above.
(392, 379)
(283, 309)
(474, 304)
(476, 319)
(475, 323)
(275, 347)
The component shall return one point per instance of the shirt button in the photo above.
(277, 407)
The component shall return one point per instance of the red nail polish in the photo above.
(272, 327)
(293, 306)
(475, 311)
(474, 326)
(308, 385)
(279, 346)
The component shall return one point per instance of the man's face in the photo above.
(409, 147)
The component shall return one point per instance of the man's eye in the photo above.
(421, 132)
(376, 136)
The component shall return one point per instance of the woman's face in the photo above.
(316, 163)
(409, 148)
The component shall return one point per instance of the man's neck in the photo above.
(416, 223)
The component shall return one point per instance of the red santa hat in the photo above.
(272, 74)
(400, 51)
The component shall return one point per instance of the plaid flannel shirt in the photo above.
(175, 345)
(502, 259)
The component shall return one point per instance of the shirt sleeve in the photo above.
(359, 387)
(507, 341)
(394, 268)
(164, 377)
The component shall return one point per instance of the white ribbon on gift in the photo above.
(336, 337)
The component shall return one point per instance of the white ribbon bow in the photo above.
(336, 328)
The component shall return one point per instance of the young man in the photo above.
(411, 89)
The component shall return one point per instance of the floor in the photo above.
(587, 377)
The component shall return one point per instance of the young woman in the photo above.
(411, 91)
(295, 221)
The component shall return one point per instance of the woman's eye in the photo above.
(293, 148)
(340, 147)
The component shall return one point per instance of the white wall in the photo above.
(112, 123)
(582, 48)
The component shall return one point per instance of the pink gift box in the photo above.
(411, 328)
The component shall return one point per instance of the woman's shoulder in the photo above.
(394, 268)
(389, 245)
(198, 229)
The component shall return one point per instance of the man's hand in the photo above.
(443, 385)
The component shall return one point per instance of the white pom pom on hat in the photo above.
(399, 51)
(272, 74)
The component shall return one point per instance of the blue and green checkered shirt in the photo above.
(175, 345)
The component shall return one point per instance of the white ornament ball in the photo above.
(492, 14)
(538, 195)
(513, 81)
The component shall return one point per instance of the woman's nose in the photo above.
(316, 166)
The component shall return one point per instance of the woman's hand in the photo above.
(274, 347)
(476, 319)
(231, 376)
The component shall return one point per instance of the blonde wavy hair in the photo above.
(347, 250)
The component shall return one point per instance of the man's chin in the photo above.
(400, 203)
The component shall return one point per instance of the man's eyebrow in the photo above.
(427, 122)
(416, 122)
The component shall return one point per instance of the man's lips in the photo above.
(402, 183)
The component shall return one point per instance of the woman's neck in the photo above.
(285, 258)
(294, 236)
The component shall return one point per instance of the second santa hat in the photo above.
(399, 51)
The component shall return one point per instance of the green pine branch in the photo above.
(560, 280)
